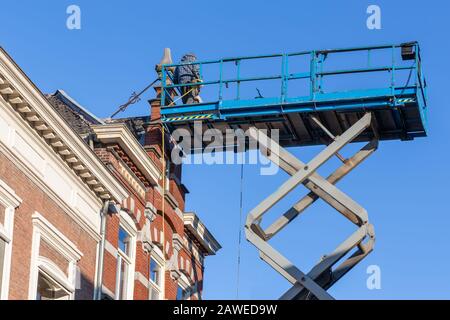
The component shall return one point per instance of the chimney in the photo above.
(155, 104)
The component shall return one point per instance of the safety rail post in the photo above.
(416, 65)
(320, 75)
(200, 66)
(220, 81)
(393, 74)
(313, 75)
(163, 86)
(238, 82)
(421, 83)
(283, 77)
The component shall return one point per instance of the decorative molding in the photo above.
(187, 284)
(157, 237)
(48, 267)
(55, 238)
(129, 176)
(26, 99)
(88, 226)
(192, 249)
(177, 242)
(111, 249)
(8, 197)
(171, 200)
(157, 254)
(150, 211)
(156, 152)
(119, 133)
(175, 274)
(200, 233)
(145, 236)
(142, 279)
(179, 213)
(128, 223)
(43, 229)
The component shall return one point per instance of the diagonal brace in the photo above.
(321, 277)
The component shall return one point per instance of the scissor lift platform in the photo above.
(398, 104)
(395, 109)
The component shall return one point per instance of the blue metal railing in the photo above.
(315, 74)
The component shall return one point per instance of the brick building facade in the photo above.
(89, 209)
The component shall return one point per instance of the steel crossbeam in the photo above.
(314, 285)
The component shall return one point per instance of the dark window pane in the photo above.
(182, 294)
(48, 289)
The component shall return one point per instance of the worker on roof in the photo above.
(187, 73)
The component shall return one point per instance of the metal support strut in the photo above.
(315, 284)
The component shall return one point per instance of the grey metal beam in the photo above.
(307, 170)
(321, 277)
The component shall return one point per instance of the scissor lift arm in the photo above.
(321, 277)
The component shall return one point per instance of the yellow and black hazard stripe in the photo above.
(406, 100)
(188, 118)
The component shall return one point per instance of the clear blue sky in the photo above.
(404, 186)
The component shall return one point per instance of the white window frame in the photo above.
(157, 256)
(10, 201)
(129, 226)
(44, 230)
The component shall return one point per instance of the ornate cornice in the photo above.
(200, 233)
(120, 134)
(26, 99)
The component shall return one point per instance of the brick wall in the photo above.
(173, 223)
(153, 143)
(34, 199)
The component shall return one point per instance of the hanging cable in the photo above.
(240, 227)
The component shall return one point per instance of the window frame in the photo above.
(10, 201)
(157, 256)
(167, 173)
(128, 225)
